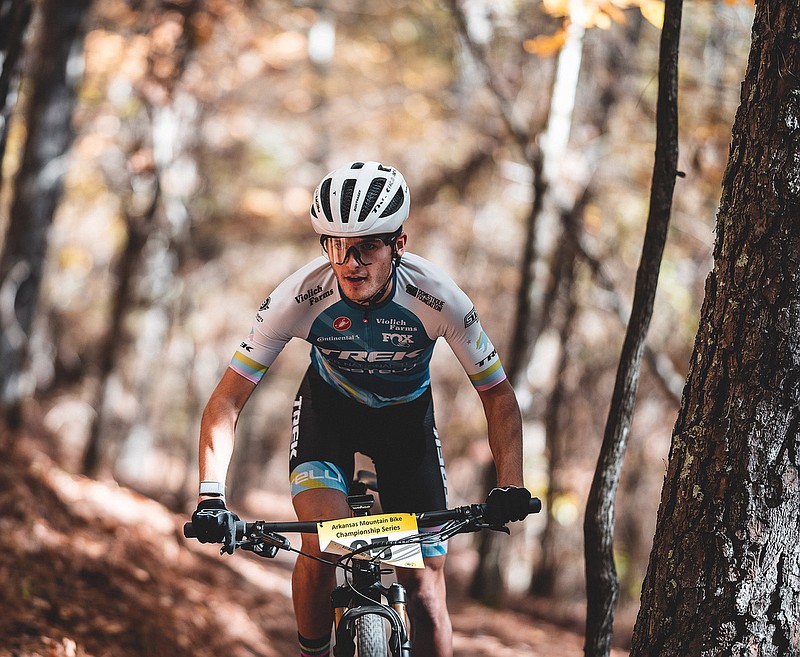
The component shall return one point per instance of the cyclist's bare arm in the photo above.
(505, 432)
(219, 423)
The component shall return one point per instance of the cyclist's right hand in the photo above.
(507, 504)
(213, 523)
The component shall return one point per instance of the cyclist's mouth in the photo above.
(356, 280)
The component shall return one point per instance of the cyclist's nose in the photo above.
(353, 251)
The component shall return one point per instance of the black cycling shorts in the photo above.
(329, 428)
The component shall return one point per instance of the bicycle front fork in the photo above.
(347, 606)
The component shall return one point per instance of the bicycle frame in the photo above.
(359, 598)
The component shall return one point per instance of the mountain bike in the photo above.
(370, 619)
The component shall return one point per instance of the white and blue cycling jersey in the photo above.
(380, 355)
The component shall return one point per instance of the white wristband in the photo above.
(213, 488)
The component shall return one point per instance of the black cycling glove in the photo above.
(506, 504)
(213, 523)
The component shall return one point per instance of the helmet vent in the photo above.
(357, 165)
(347, 199)
(371, 197)
(325, 198)
(394, 204)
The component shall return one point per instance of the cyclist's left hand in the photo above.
(506, 504)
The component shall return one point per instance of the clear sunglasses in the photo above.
(362, 249)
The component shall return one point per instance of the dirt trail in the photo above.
(89, 569)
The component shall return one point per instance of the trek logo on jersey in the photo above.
(313, 295)
(370, 356)
(470, 318)
(483, 362)
(427, 299)
(399, 339)
(342, 323)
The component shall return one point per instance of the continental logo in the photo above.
(427, 299)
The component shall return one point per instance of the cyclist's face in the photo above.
(362, 264)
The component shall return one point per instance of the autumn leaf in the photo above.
(545, 45)
(652, 11)
(602, 13)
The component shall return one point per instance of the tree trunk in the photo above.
(551, 577)
(139, 228)
(157, 226)
(54, 79)
(545, 578)
(544, 233)
(602, 583)
(15, 15)
(724, 573)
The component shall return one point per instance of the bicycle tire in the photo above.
(371, 636)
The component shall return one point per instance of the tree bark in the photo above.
(38, 188)
(162, 226)
(602, 584)
(15, 15)
(724, 573)
(545, 578)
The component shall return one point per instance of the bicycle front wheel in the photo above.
(371, 636)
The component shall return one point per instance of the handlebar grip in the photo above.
(189, 532)
(535, 505)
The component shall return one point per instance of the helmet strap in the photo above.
(376, 298)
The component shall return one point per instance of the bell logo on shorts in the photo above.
(342, 323)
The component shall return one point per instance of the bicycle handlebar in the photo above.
(242, 527)
(424, 519)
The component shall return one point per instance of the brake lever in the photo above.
(265, 544)
(495, 528)
(260, 549)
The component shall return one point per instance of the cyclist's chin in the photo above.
(359, 297)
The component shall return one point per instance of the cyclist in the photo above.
(372, 312)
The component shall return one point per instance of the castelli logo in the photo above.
(342, 323)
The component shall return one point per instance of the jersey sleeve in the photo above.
(261, 347)
(283, 316)
(450, 313)
(472, 346)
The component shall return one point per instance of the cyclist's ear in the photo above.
(400, 244)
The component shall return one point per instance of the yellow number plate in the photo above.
(344, 536)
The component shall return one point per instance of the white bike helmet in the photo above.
(360, 198)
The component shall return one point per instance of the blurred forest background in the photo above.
(200, 131)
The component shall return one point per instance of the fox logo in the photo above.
(399, 339)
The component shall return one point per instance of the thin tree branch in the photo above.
(666, 375)
(602, 583)
(521, 136)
